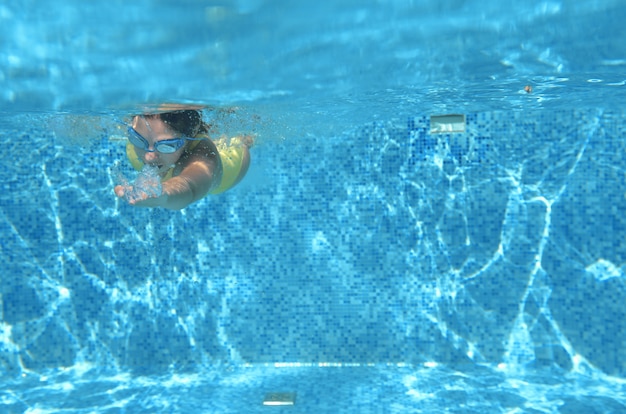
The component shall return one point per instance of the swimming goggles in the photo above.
(166, 146)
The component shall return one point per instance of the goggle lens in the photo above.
(167, 148)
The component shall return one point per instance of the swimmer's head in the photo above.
(154, 129)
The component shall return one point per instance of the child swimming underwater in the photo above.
(174, 146)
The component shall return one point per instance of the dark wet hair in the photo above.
(188, 122)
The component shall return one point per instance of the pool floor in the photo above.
(318, 388)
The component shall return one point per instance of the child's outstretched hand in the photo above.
(146, 191)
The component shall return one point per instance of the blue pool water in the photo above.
(368, 263)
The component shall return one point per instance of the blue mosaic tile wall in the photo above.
(503, 244)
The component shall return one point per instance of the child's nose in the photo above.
(151, 156)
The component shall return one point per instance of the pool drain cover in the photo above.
(280, 398)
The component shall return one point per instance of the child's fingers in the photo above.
(119, 190)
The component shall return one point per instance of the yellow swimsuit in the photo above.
(231, 155)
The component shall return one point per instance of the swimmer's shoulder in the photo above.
(204, 148)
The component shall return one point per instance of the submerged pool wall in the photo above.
(503, 244)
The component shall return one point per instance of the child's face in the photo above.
(154, 130)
